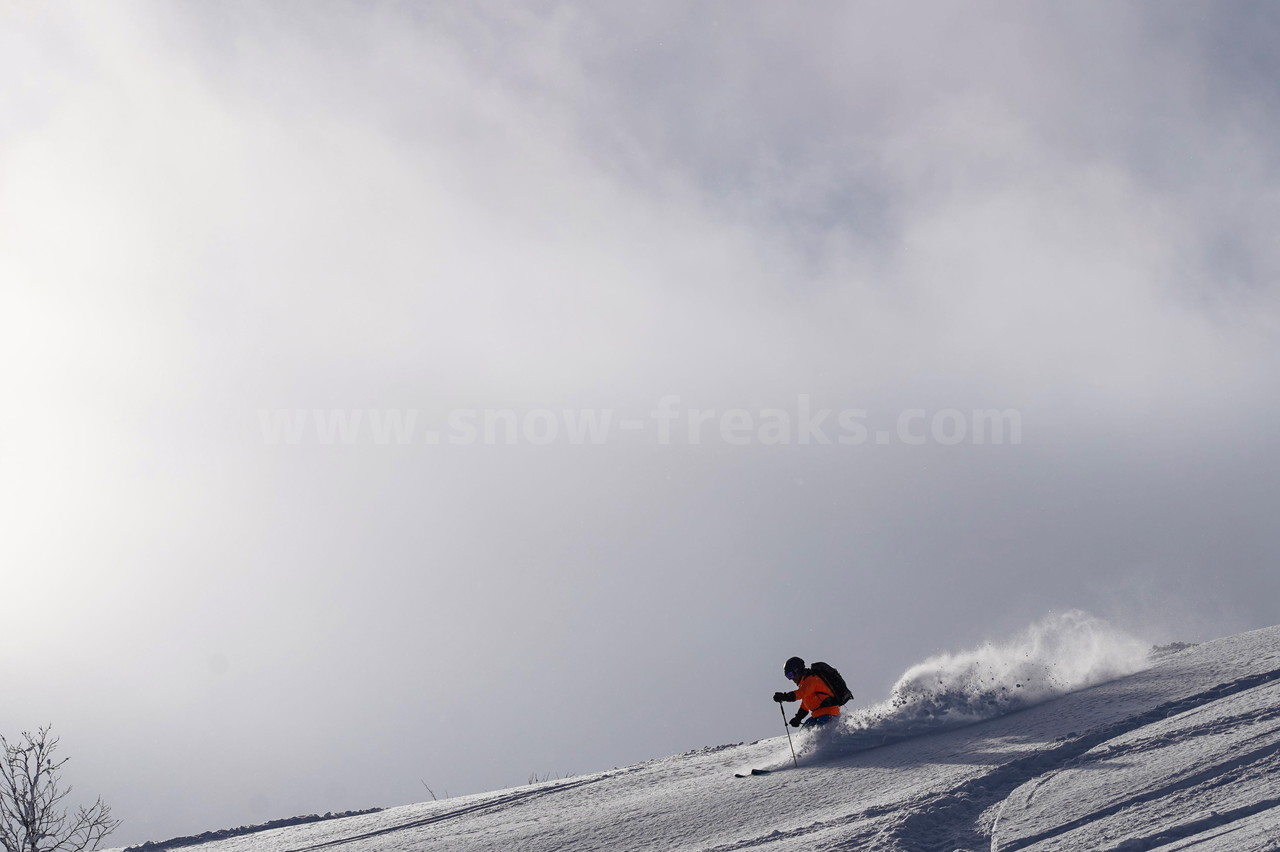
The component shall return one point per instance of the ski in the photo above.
(753, 772)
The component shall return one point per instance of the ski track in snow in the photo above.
(963, 805)
(1184, 754)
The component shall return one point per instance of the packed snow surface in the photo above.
(1070, 737)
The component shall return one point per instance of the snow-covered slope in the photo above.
(1179, 755)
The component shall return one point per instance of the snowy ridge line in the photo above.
(241, 831)
(491, 804)
(955, 814)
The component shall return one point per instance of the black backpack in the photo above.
(840, 694)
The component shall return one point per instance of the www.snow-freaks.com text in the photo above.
(669, 423)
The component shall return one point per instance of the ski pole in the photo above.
(786, 728)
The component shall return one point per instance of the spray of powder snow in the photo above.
(1059, 654)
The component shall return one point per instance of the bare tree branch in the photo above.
(31, 816)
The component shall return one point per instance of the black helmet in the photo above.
(794, 666)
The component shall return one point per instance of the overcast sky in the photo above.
(301, 304)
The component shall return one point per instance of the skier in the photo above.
(815, 697)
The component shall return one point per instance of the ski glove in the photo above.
(795, 723)
(784, 696)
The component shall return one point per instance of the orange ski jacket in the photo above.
(812, 691)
